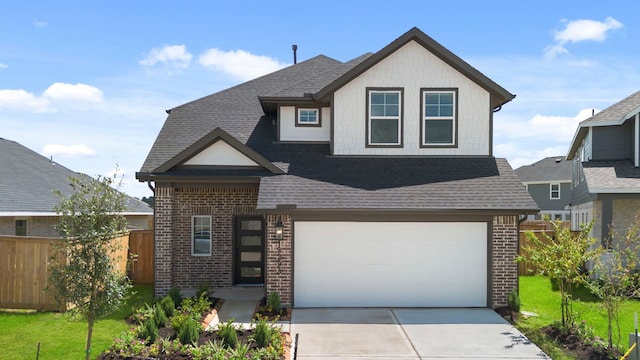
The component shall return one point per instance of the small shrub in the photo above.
(274, 302)
(175, 295)
(148, 331)
(514, 301)
(168, 305)
(159, 316)
(262, 333)
(178, 321)
(189, 332)
(239, 352)
(228, 333)
(204, 289)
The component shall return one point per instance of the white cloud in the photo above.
(171, 55)
(11, 99)
(527, 155)
(3, 66)
(39, 23)
(239, 63)
(71, 92)
(67, 150)
(581, 30)
(548, 127)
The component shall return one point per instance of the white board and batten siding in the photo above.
(290, 132)
(412, 67)
(390, 264)
(222, 154)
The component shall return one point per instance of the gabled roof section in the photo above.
(499, 97)
(236, 110)
(549, 169)
(28, 180)
(217, 135)
(615, 114)
(612, 177)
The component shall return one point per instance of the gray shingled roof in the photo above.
(549, 169)
(237, 110)
(619, 176)
(28, 179)
(383, 183)
(615, 114)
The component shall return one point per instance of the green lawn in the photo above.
(61, 337)
(536, 295)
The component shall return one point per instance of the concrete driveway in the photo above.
(408, 334)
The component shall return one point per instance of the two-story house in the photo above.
(368, 183)
(549, 183)
(605, 152)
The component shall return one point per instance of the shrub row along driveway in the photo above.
(408, 334)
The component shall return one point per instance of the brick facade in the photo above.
(504, 268)
(175, 266)
(175, 206)
(279, 259)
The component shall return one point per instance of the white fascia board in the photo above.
(27, 213)
(615, 191)
(547, 182)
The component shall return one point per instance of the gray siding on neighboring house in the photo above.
(580, 194)
(541, 194)
(612, 142)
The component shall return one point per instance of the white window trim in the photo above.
(397, 118)
(551, 191)
(315, 110)
(193, 234)
(424, 119)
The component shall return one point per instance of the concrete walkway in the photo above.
(239, 305)
(408, 334)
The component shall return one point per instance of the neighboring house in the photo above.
(365, 183)
(606, 179)
(27, 201)
(549, 183)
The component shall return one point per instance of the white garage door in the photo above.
(390, 264)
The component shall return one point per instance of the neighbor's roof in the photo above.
(615, 114)
(28, 180)
(614, 177)
(549, 169)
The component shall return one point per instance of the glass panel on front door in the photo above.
(249, 250)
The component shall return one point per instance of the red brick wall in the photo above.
(187, 271)
(504, 266)
(279, 259)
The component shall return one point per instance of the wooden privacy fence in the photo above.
(540, 229)
(25, 266)
(141, 253)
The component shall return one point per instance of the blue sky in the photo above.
(88, 82)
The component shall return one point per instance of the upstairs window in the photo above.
(439, 114)
(308, 117)
(384, 120)
(21, 227)
(201, 235)
(554, 191)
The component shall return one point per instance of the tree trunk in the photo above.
(90, 319)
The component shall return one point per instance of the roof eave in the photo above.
(502, 95)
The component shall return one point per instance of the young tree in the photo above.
(83, 273)
(561, 257)
(615, 275)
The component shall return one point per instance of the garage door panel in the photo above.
(390, 264)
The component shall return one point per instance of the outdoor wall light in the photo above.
(279, 229)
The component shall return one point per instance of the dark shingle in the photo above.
(553, 168)
(612, 176)
(28, 180)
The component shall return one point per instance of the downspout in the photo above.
(151, 187)
(636, 160)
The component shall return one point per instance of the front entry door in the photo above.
(249, 250)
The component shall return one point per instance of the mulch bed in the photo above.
(261, 311)
(575, 344)
(205, 336)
